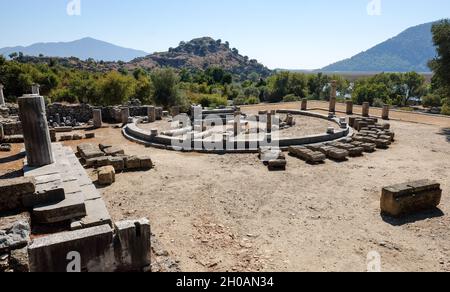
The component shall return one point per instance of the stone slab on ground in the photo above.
(409, 198)
(88, 151)
(114, 151)
(12, 192)
(306, 154)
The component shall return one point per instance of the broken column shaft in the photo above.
(349, 110)
(35, 130)
(366, 109)
(97, 118)
(385, 114)
(2, 97)
(333, 96)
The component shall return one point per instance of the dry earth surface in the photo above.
(229, 213)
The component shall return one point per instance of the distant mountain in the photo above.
(200, 54)
(409, 51)
(83, 49)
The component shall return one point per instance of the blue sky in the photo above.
(294, 34)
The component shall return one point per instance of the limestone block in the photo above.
(409, 198)
(106, 175)
(12, 192)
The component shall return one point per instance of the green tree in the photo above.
(115, 88)
(441, 64)
(165, 83)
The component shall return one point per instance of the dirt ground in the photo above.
(229, 213)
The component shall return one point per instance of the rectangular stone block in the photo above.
(132, 162)
(409, 198)
(93, 245)
(12, 192)
(135, 241)
(145, 162)
(48, 191)
(307, 154)
(277, 164)
(117, 162)
(113, 151)
(71, 207)
(106, 175)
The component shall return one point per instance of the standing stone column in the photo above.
(304, 104)
(237, 123)
(97, 118)
(35, 89)
(349, 110)
(333, 96)
(385, 114)
(125, 114)
(35, 130)
(270, 116)
(2, 97)
(366, 109)
(151, 113)
(2, 133)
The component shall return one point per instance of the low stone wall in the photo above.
(11, 127)
(81, 112)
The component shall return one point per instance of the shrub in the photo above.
(252, 100)
(377, 102)
(431, 100)
(209, 100)
(291, 98)
(446, 107)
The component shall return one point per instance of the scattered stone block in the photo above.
(409, 198)
(89, 135)
(66, 138)
(145, 162)
(277, 164)
(12, 192)
(369, 147)
(132, 162)
(269, 153)
(77, 137)
(382, 144)
(88, 151)
(113, 151)
(117, 162)
(106, 175)
(306, 154)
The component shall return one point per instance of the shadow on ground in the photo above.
(445, 132)
(430, 214)
(12, 158)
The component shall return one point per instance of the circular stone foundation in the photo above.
(223, 134)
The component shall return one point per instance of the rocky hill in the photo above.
(200, 54)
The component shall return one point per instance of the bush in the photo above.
(240, 100)
(63, 95)
(209, 100)
(252, 100)
(431, 100)
(291, 98)
(377, 102)
(446, 107)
